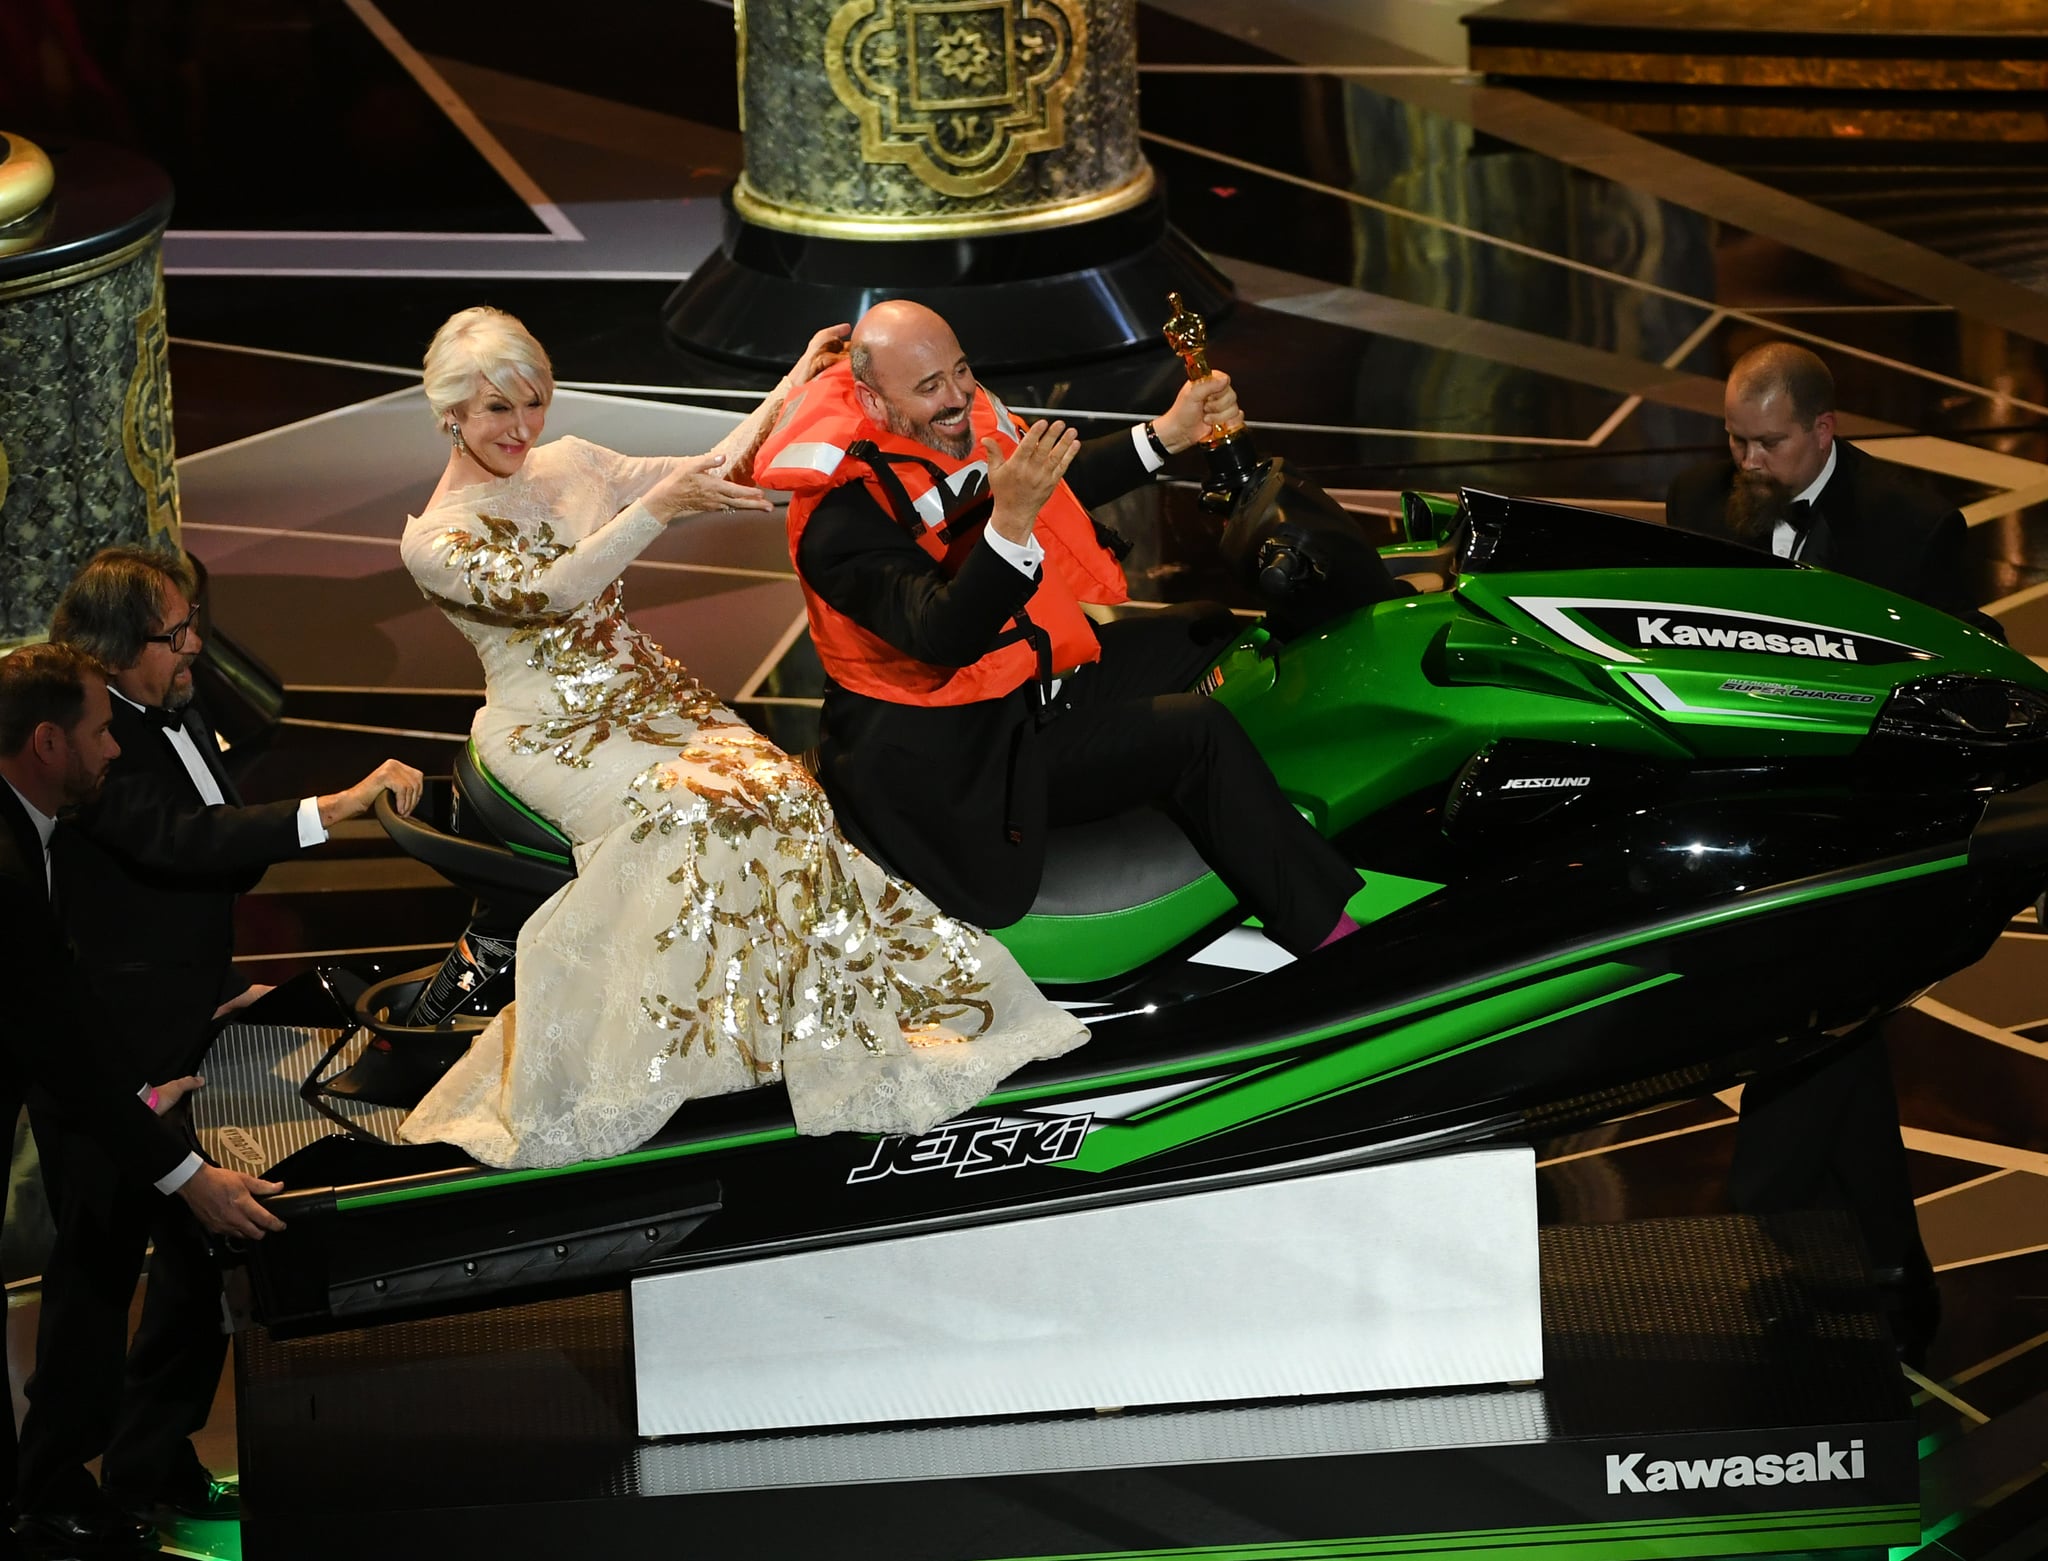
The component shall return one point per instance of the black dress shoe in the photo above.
(193, 1494)
(98, 1530)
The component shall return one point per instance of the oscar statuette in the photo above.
(1235, 467)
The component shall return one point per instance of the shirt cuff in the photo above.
(1152, 458)
(187, 1169)
(1025, 557)
(311, 831)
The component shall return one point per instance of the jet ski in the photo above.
(1635, 812)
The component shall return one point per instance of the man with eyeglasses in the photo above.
(147, 879)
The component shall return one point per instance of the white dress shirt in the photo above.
(1787, 541)
(311, 831)
(46, 826)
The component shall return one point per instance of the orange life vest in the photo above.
(825, 441)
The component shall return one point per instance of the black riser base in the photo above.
(1016, 301)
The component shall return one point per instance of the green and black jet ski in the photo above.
(1634, 812)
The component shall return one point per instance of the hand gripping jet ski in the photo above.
(1634, 811)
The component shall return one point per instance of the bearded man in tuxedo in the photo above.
(1825, 1133)
(978, 671)
(55, 745)
(1791, 487)
(147, 880)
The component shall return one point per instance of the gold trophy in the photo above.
(1234, 464)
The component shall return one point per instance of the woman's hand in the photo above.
(825, 349)
(699, 484)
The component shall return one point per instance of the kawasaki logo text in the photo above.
(975, 1148)
(1631, 1475)
(1699, 636)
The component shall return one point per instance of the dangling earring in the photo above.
(455, 434)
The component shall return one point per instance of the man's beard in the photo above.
(177, 698)
(81, 785)
(1756, 503)
(956, 445)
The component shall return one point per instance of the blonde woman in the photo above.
(720, 932)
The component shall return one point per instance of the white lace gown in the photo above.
(719, 933)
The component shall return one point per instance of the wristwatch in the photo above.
(1158, 445)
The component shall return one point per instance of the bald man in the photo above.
(1825, 1133)
(945, 552)
(1792, 488)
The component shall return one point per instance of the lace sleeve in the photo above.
(630, 478)
(475, 562)
(750, 433)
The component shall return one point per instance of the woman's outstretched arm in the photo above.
(636, 477)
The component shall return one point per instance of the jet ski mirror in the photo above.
(1427, 518)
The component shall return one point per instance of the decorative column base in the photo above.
(1017, 300)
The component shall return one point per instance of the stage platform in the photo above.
(1743, 1356)
(1843, 45)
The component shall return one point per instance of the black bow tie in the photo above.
(1799, 514)
(169, 720)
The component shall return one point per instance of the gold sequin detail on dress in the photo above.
(721, 933)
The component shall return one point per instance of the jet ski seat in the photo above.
(505, 816)
(493, 842)
(1113, 864)
(1116, 894)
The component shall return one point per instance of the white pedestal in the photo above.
(1418, 1274)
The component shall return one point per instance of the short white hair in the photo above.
(487, 342)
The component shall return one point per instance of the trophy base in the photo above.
(1016, 300)
(1235, 469)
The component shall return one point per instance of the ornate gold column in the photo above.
(928, 118)
(85, 391)
(981, 156)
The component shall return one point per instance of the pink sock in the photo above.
(1344, 928)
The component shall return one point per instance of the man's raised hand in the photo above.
(1203, 406)
(1023, 483)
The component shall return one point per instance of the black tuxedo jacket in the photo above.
(148, 880)
(54, 1033)
(952, 798)
(1873, 521)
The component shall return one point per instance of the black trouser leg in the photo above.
(174, 1365)
(1824, 1134)
(1128, 735)
(103, 1223)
